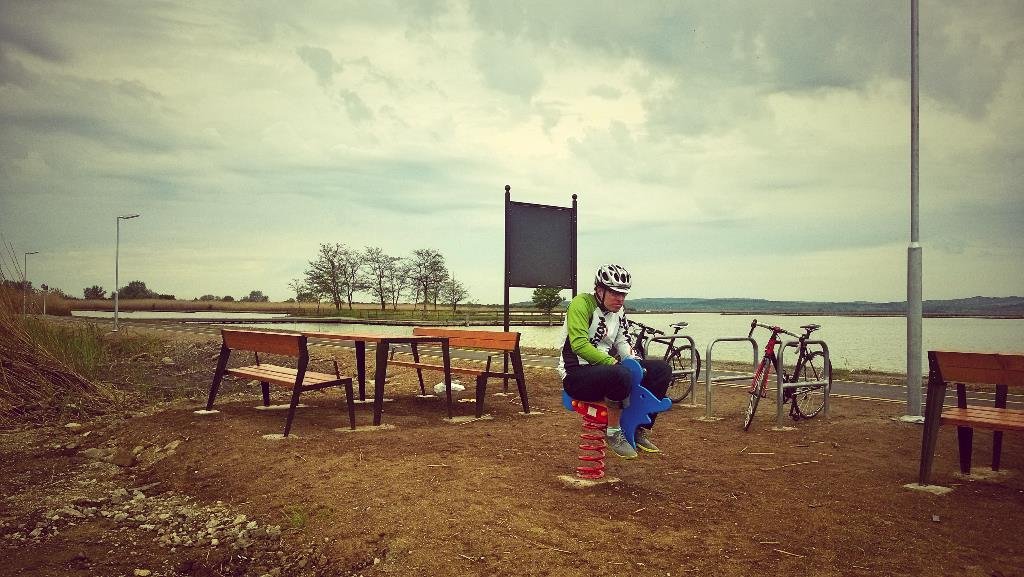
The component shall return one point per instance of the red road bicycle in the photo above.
(806, 401)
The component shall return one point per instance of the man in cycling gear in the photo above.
(594, 341)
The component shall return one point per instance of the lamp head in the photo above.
(127, 216)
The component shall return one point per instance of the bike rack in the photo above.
(707, 371)
(780, 385)
(669, 341)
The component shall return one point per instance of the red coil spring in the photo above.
(592, 447)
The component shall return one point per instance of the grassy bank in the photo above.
(53, 373)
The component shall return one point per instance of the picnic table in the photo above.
(383, 344)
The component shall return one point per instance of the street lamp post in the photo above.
(117, 257)
(24, 284)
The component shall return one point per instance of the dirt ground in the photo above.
(163, 491)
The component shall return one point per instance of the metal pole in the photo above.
(24, 284)
(914, 292)
(117, 258)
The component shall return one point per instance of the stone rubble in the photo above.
(173, 521)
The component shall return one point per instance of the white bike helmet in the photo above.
(614, 277)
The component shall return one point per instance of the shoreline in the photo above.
(516, 322)
(831, 314)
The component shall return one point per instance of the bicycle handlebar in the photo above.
(775, 329)
(645, 329)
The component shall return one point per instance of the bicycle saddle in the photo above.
(679, 325)
(810, 328)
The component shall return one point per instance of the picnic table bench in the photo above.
(298, 379)
(944, 368)
(496, 342)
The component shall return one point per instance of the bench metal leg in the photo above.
(350, 404)
(266, 393)
(997, 449)
(517, 366)
(447, 360)
(481, 393)
(929, 437)
(291, 410)
(965, 441)
(218, 375)
(379, 374)
(997, 436)
(419, 372)
(361, 368)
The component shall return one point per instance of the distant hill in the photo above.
(1006, 307)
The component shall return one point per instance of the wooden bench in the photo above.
(496, 342)
(1003, 371)
(299, 379)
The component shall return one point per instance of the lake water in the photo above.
(184, 315)
(877, 343)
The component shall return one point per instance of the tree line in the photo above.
(339, 272)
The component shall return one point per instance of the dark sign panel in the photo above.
(541, 245)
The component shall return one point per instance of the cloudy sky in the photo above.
(718, 148)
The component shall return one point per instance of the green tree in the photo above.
(546, 298)
(95, 292)
(255, 297)
(136, 290)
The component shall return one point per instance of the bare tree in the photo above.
(396, 281)
(452, 292)
(426, 271)
(439, 278)
(324, 276)
(380, 270)
(299, 287)
(351, 283)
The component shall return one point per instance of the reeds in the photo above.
(44, 369)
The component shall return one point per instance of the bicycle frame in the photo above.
(768, 359)
(787, 390)
(645, 335)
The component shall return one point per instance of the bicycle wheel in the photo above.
(809, 401)
(756, 390)
(679, 359)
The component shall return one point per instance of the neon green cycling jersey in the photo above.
(591, 335)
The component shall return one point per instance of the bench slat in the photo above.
(415, 365)
(460, 339)
(996, 420)
(983, 368)
(264, 342)
(281, 375)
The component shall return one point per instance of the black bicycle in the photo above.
(683, 358)
(810, 369)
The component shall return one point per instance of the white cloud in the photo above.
(706, 138)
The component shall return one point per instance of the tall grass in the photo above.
(48, 373)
